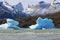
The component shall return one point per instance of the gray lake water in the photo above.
(27, 34)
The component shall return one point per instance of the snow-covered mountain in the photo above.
(8, 11)
(43, 8)
(17, 11)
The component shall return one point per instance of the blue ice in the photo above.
(43, 23)
(11, 24)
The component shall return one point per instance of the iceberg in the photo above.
(11, 24)
(43, 24)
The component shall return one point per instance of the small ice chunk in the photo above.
(4, 26)
(36, 26)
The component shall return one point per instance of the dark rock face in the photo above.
(6, 15)
(21, 14)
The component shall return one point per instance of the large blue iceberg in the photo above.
(11, 24)
(43, 24)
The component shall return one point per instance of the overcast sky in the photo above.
(25, 2)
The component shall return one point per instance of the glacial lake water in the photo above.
(28, 34)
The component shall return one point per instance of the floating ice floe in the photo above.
(43, 24)
(11, 24)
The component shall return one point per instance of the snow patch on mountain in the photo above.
(7, 5)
